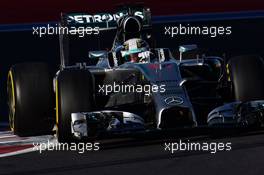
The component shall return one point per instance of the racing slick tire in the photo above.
(74, 93)
(246, 74)
(30, 97)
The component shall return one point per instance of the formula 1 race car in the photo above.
(132, 87)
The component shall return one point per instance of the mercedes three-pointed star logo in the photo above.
(173, 100)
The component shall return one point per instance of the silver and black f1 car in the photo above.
(133, 87)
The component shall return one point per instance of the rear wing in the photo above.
(105, 21)
(101, 22)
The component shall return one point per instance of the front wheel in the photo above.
(30, 99)
(74, 93)
(247, 76)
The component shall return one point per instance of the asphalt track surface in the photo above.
(145, 155)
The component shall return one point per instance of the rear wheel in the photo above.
(247, 76)
(74, 93)
(29, 89)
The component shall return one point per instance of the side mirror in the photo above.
(186, 80)
(186, 48)
(98, 58)
(98, 54)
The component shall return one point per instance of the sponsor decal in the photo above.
(98, 18)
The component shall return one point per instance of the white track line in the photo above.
(14, 141)
(7, 136)
(6, 132)
(27, 140)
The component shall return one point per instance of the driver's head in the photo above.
(135, 50)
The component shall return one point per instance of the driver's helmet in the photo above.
(135, 50)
